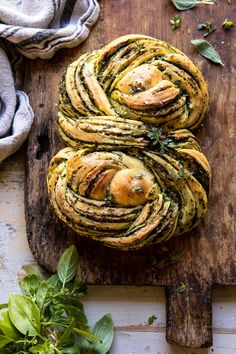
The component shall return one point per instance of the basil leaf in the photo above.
(54, 282)
(8, 328)
(24, 314)
(104, 330)
(41, 294)
(4, 340)
(68, 265)
(29, 284)
(32, 269)
(207, 50)
(78, 314)
(184, 4)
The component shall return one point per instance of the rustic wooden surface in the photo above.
(130, 306)
(208, 253)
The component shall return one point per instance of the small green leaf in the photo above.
(151, 319)
(68, 265)
(175, 22)
(181, 289)
(207, 50)
(24, 314)
(227, 24)
(176, 257)
(4, 341)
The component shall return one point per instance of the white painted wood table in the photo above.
(130, 307)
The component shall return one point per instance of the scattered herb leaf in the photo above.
(175, 22)
(227, 24)
(182, 288)
(151, 319)
(184, 4)
(176, 257)
(207, 50)
(208, 26)
(189, 4)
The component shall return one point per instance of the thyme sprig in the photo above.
(159, 140)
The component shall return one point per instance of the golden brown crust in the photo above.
(134, 175)
(135, 77)
(133, 198)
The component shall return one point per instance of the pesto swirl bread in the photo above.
(134, 174)
(135, 197)
(111, 95)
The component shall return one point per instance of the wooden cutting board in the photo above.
(208, 252)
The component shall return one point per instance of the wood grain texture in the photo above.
(208, 252)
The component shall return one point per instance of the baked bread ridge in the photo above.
(134, 175)
(128, 199)
(142, 80)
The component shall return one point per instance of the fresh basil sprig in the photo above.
(183, 5)
(49, 318)
(207, 50)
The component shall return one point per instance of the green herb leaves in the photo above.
(175, 22)
(227, 24)
(158, 140)
(189, 4)
(208, 26)
(181, 289)
(49, 318)
(68, 265)
(151, 319)
(207, 50)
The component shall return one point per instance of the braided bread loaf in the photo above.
(133, 175)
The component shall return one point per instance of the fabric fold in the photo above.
(35, 29)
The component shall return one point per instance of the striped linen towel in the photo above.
(36, 29)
